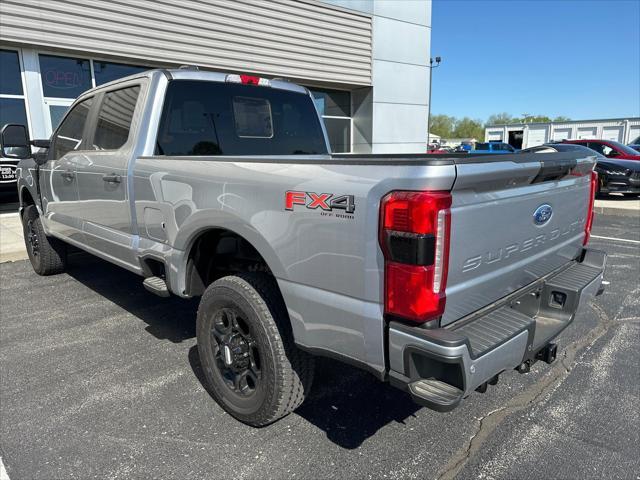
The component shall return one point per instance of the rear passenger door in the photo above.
(102, 175)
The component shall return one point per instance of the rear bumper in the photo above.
(439, 367)
(620, 185)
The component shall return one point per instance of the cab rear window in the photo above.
(212, 118)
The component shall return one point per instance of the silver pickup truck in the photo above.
(433, 272)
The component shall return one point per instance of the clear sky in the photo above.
(576, 58)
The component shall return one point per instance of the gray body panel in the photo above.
(329, 267)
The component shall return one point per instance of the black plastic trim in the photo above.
(354, 362)
(411, 248)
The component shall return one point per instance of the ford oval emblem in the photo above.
(542, 214)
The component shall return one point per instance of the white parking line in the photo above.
(616, 239)
(3, 471)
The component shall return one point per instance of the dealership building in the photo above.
(525, 135)
(365, 61)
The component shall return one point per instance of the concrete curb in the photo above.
(621, 212)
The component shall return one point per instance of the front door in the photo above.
(58, 176)
(102, 175)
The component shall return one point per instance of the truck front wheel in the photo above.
(245, 343)
(47, 255)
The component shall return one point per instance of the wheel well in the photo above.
(25, 198)
(217, 253)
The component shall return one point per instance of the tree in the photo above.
(469, 128)
(501, 119)
(442, 125)
(561, 118)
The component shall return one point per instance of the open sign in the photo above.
(63, 79)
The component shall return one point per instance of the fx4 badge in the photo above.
(324, 201)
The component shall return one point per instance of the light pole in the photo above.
(431, 67)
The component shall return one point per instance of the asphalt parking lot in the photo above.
(99, 378)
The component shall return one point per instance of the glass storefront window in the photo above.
(56, 112)
(106, 72)
(12, 111)
(64, 77)
(339, 133)
(335, 108)
(333, 103)
(10, 79)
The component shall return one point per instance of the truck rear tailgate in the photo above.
(514, 218)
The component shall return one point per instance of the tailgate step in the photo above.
(487, 332)
(156, 285)
(435, 394)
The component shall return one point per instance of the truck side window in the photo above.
(214, 118)
(68, 137)
(114, 118)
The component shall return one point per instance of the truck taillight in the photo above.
(414, 236)
(248, 80)
(590, 214)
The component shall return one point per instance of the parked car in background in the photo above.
(9, 158)
(635, 146)
(635, 141)
(608, 148)
(493, 148)
(614, 175)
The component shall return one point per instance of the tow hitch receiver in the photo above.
(548, 353)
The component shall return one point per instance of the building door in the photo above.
(537, 136)
(102, 175)
(494, 136)
(515, 138)
(612, 133)
(587, 132)
(560, 134)
(58, 176)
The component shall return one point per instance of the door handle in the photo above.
(113, 178)
(68, 175)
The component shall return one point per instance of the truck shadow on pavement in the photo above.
(348, 404)
(170, 318)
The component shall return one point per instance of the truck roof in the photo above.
(195, 74)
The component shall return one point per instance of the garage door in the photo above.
(537, 136)
(494, 136)
(612, 133)
(634, 133)
(560, 134)
(587, 132)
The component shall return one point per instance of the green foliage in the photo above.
(452, 127)
(500, 119)
(469, 128)
(533, 119)
(442, 125)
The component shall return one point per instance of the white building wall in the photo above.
(392, 116)
(622, 130)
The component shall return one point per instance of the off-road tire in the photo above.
(50, 257)
(287, 372)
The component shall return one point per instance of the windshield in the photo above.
(623, 148)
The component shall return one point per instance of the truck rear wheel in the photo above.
(245, 343)
(48, 255)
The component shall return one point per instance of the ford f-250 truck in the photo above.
(434, 273)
